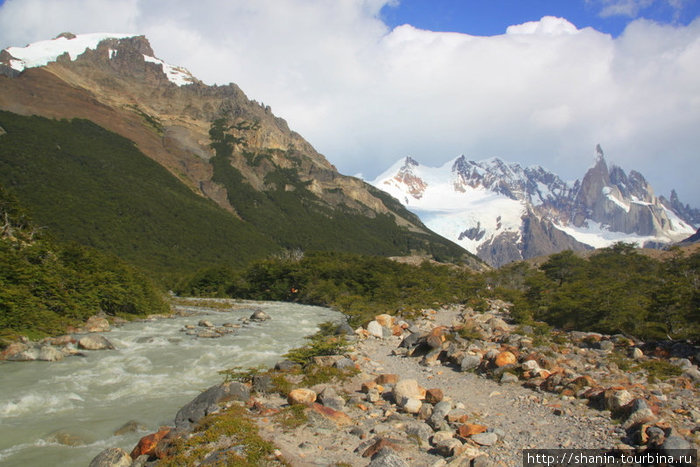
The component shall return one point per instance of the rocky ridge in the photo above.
(503, 212)
(458, 387)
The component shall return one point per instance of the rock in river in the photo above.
(94, 342)
(259, 315)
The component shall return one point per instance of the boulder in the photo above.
(208, 402)
(375, 329)
(616, 399)
(675, 446)
(449, 447)
(329, 398)
(419, 430)
(470, 362)
(147, 445)
(385, 320)
(344, 363)
(505, 358)
(507, 377)
(111, 457)
(469, 429)
(97, 324)
(132, 426)
(94, 342)
(301, 396)
(27, 355)
(330, 414)
(259, 315)
(412, 405)
(49, 353)
(286, 365)
(407, 389)
(13, 349)
(386, 457)
(387, 378)
(485, 439)
(433, 395)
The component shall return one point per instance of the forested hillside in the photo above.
(46, 286)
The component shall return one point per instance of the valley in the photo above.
(524, 304)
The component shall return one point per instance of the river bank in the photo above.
(458, 387)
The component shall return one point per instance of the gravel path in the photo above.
(522, 418)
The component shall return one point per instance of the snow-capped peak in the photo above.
(503, 212)
(42, 53)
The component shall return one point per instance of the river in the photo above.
(154, 370)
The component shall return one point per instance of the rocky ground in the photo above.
(458, 387)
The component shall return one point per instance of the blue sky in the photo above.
(367, 82)
(492, 17)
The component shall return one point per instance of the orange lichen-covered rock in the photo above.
(469, 429)
(301, 396)
(336, 416)
(505, 358)
(147, 444)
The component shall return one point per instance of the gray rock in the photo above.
(344, 363)
(482, 461)
(448, 447)
(675, 445)
(485, 439)
(509, 378)
(259, 315)
(386, 457)
(205, 323)
(410, 341)
(344, 328)
(111, 457)
(607, 346)
(692, 373)
(262, 384)
(470, 362)
(419, 430)
(208, 401)
(94, 342)
(132, 426)
(49, 353)
(286, 365)
(440, 411)
(330, 398)
(28, 355)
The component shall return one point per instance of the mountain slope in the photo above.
(92, 186)
(503, 212)
(271, 182)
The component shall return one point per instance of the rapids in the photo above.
(64, 413)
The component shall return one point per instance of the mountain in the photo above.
(504, 212)
(252, 186)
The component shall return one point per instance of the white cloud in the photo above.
(634, 8)
(545, 92)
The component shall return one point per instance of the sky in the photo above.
(367, 82)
